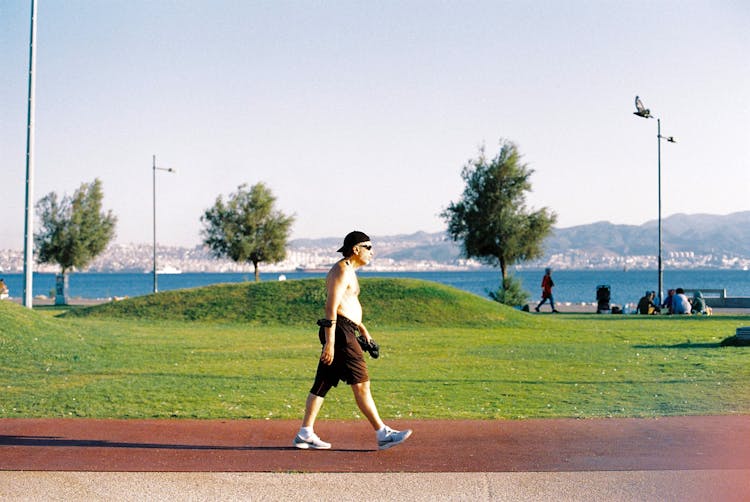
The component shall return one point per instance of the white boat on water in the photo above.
(313, 269)
(168, 270)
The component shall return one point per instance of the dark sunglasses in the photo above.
(366, 246)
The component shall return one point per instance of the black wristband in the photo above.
(326, 323)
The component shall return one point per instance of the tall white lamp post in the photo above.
(645, 113)
(28, 240)
(169, 170)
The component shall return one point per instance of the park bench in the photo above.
(707, 293)
(717, 298)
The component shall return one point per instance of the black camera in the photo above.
(372, 348)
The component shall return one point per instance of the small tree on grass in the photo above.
(491, 219)
(74, 230)
(247, 228)
(511, 292)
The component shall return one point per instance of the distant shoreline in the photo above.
(386, 269)
(572, 287)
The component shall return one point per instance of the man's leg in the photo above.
(540, 304)
(387, 437)
(306, 438)
(367, 404)
(312, 407)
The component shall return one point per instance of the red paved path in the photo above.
(674, 443)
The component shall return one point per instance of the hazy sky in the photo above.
(361, 114)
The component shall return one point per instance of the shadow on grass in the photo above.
(732, 341)
(686, 345)
(542, 383)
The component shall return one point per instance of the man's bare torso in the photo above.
(348, 305)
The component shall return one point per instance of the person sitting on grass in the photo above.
(667, 304)
(680, 303)
(698, 304)
(646, 305)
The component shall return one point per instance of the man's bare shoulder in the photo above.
(340, 272)
(337, 268)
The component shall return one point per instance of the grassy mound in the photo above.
(454, 356)
(30, 339)
(17, 319)
(386, 302)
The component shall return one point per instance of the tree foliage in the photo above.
(510, 292)
(247, 228)
(491, 219)
(74, 230)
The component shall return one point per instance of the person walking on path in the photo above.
(342, 357)
(547, 285)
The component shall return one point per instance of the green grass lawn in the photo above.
(250, 351)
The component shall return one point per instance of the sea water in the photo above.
(571, 286)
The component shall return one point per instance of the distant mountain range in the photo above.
(697, 233)
(689, 241)
(411, 247)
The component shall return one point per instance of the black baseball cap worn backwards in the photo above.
(352, 239)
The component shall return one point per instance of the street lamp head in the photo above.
(641, 110)
(165, 169)
(671, 139)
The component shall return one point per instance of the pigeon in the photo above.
(642, 110)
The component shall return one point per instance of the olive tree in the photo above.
(74, 230)
(491, 218)
(247, 228)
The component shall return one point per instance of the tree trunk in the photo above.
(61, 288)
(257, 271)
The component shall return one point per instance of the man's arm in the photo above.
(363, 331)
(336, 285)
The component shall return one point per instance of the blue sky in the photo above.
(362, 114)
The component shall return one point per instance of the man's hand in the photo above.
(326, 357)
(363, 331)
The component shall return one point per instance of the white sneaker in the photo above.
(313, 442)
(393, 438)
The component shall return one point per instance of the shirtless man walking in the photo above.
(342, 357)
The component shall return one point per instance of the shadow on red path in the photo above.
(556, 445)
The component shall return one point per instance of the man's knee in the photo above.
(361, 387)
(320, 388)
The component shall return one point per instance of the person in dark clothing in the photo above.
(646, 305)
(547, 285)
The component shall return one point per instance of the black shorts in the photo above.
(348, 359)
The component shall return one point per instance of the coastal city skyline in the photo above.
(414, 252)
(176, 260)
(362, 115)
